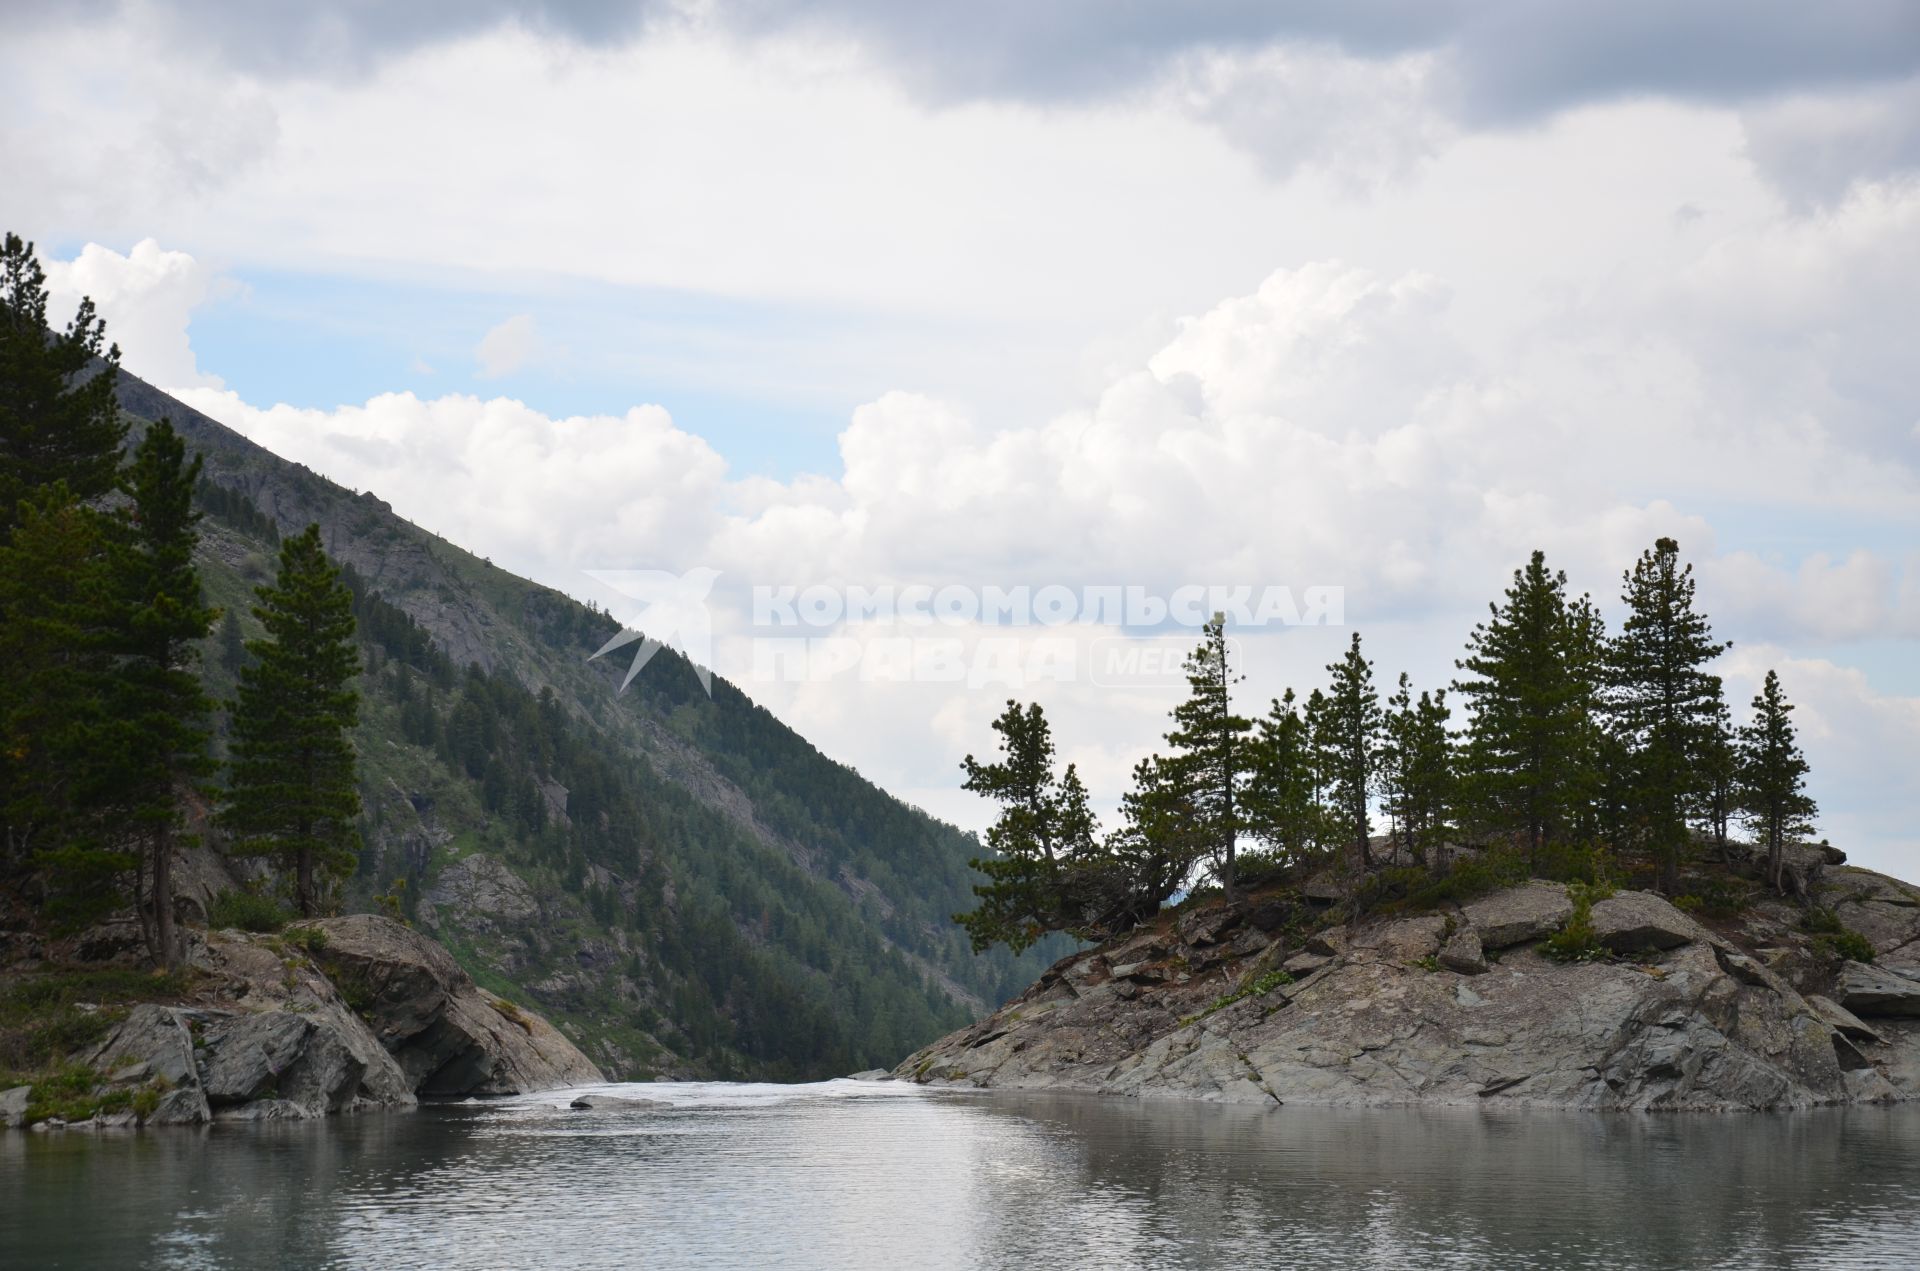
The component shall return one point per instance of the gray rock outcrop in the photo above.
(334, 1016)
(1682, 1018)
(449, 1036)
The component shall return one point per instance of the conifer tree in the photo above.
(1528, 766)
(1772, 777)
(1211, 749)
(1160, 840)
(160, 713)
(1663, 703)
(1354, 722)
(1417, 766)
(1044, 826)
(293, 795)
(1281, 801)
(59, 420)
(56, 594)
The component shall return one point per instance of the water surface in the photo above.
(843, 1174)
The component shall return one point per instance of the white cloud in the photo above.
(507, 346)
(147, 298)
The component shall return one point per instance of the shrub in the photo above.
(1848, 944)
(1576, 940)
(1822, 921)
(312, 939)
(248, 911)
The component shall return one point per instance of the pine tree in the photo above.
(1160, 840)
(1772, 777)
(1044, 826)
(1211, 751)
(1528, 767)
(1354, 722)
(1417, 767)
(1663, 703)
(55, 774)
(59, 420)
(1282, 808)
(160, 713)
(293, 794)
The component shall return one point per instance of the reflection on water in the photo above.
(850, 1175)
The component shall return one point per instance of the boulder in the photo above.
(1637, 921)
(871, 1074)
(449, 1037)
(185, 1106)
(1402, 940)
(1462, 953)
(243, 1056)
(1208, 925)
(153, 1041)
(1532, 911)
(1841, 1020)
(1874, 990)
(1330, 943)
(13, 1106)
(1304, 964)
(614, 1102)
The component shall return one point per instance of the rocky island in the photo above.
(1277, 1000)
(330, 1015)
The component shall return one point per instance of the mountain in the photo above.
(681, 882)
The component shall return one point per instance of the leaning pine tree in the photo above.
(293, 794)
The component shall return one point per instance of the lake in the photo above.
(847, 1174)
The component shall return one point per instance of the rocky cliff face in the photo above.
(336, 1015)
(1253, 1003)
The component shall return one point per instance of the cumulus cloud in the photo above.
(147, 298)
(1334, 426)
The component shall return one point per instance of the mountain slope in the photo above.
(684, 884)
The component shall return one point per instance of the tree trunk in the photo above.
(168, 954)
(304, 882)
(140, 910)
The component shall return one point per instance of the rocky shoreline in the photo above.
(333, 1015)
(1269, 1001)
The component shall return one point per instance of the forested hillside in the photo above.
(681, 882)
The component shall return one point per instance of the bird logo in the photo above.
(673, 613)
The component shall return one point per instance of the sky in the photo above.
(1376, 296)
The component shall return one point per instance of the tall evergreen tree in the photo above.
(1211, 750)
(293, 794)
(55, 774)
(1772, 777)
(1528, 766)
(1417, 766)
(1281, 798)
(1354, 723)
(1663, 703)
(160, 713)
(1044, 826)
(59, 420)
